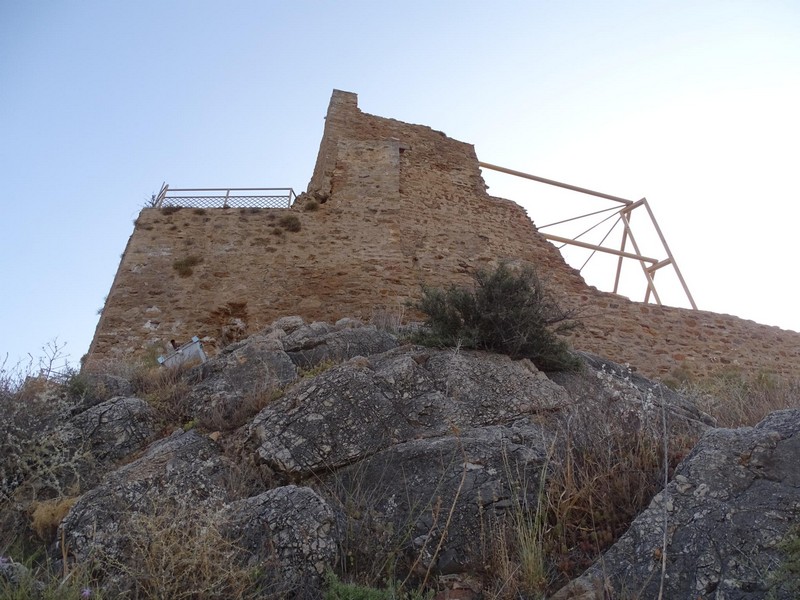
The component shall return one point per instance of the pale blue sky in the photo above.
(692, 104)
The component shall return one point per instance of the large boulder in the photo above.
(366, 405)
(246, 375)
(289, 534)
(433, 500)
(633, 398)
(732, 502)
(112, 429)
(184, 469)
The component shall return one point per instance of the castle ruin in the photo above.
(395, 206)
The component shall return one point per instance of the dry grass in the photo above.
(604, 473)
(47, 515)
(386, 320)
(166, 390)
(735, 398)
(600, 474)
(228, 419)
(514, 553)
(179, 552)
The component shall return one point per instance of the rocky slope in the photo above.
(315, 448)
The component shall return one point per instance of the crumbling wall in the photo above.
(400, 205)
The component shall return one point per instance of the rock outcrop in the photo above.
(362, 446)
(363, 406)
(267, 362)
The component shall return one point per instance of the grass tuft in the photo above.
(48, 514)
(184, 266)
(290, 223)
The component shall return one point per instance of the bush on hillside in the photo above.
(507, 311)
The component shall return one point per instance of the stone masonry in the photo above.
(400, 205)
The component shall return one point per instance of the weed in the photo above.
(290, 223)
(513, 546)
(184, 265)
(385, 320)
(317, 369)
(253, 401)
(166, 390)
(78, 385)
(48, 514)
(336, 590)
(351, 591)
(169, 210)
(787, 576)
(311, 205)
(180, 552)
(736, 398)
(604, 473)
(38, 580)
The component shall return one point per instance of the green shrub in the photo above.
(507, 311)
(290, 222)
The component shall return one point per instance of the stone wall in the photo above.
(399, 205)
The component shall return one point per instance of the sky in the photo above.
(693, 105)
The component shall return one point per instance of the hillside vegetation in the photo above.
(345, 461)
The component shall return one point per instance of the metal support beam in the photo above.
(658, 265)
(619, 262)
(625, 214)
(651, 285)
(566, 186)
(669, 254)
(563, 240)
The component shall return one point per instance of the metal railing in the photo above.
(224, 197)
